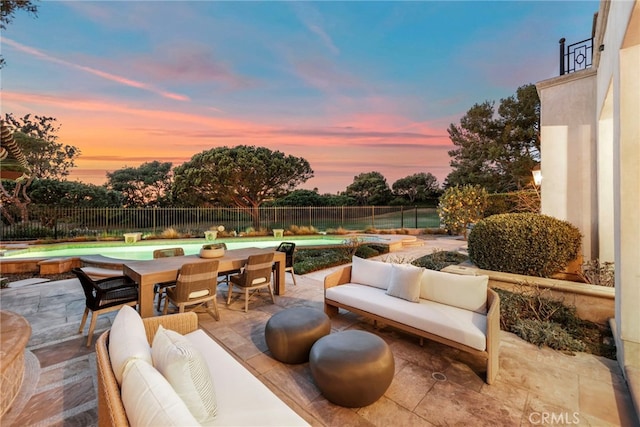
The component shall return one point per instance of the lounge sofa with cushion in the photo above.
(165, 371)
(456, 310)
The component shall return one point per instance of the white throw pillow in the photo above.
(149, 400)
(468, 292)
(127, 340)
(405, 282)
(187, 372)
(371, 273)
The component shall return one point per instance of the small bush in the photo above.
(524, 243)
(439, 259)
(308, 260)
(170, 233)
(461, 206)
(365, 251)
(534, 316)
(302, 230)
(598, 273)
(551, 334)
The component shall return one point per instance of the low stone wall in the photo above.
(593, 303)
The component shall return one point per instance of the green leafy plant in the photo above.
(524, 243)
(461, 206)
(214, 246)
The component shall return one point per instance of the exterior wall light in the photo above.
(537, 175)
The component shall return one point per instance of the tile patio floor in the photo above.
(433, 384)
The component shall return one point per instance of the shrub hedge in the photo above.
(524, 243)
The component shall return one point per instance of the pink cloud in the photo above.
(190, 64)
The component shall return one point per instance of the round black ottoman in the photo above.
(291, 333)
(352, 368)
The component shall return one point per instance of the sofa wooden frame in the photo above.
(491, 354)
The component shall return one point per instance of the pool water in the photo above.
(144, 250)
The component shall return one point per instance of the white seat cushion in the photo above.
(149, 399)
(187, 372)
(243, 400)
(371, 273)
(459, 325)
(127, 340)
(468, 292)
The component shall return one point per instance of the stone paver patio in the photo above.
(433, 384)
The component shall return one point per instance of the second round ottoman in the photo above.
(352, 368)
(290, 333)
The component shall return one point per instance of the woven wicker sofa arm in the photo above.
(111, 411)
(183, 323)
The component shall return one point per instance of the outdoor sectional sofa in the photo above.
(136, 390)
(456, 310)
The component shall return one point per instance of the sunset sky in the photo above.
(351, 86)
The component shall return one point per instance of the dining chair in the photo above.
(103, 296)
(160, 288)
(289, 249)
(196, 284)
(255, 275)
(225, 277)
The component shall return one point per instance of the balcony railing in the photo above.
(575, 57)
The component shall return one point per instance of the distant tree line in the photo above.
(493, 151)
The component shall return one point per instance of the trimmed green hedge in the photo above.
(524, 243)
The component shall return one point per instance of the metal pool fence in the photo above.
(57, 222)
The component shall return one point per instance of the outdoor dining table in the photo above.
(149, 272)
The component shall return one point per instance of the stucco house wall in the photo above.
(590, 162)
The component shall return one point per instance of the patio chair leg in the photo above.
(92, 326)
(293, 276)
(165, 310)
(160, 296)
(84, 320)
(271, 293)
(215, 313)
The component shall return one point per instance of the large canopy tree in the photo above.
(242, 176)
(497, 152)
(369, 188)
(416, 187)
(52, 192)
(47, 159)
(147, 185)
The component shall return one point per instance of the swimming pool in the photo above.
(142, 250)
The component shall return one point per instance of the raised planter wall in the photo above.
(593, 303)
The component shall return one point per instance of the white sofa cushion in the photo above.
(127, 340)
(149, 400)
(405, 282)
(468, 292)
(243, 400)
(459, 325)
(371, 273)
(187, 372)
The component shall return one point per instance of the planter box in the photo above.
(593, 303)
(132, 237)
